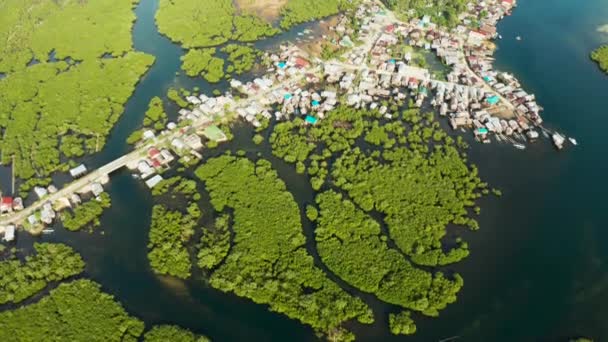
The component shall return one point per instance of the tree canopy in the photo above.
(58, 83)
(86, 214)
(169, 233)
(268, 261)
(600, 55)
(172, 333)
(22, 279)
(76, 311)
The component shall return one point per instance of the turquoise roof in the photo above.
(492, 100)
(311, 120)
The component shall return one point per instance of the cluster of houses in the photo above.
(8, 205)
(48, 213)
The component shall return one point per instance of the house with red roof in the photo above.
(6, 204)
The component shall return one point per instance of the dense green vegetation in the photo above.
(31, 30)
(86, 214)
(249, 28)
(73, 99)
(350, 244)
(173, 95)
(203, 62)
(76, 311)
(268, 261)
(442, 12)
(241, 57)
(215, 243)
(22, 279)
(401, 323)
(299, 11)
(169, 233)
(600, 55)
(172, 333)
(437, 191)
(176, 185)
(196, 24)
(412, 175)
(171, 230)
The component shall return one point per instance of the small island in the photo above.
(600, 56)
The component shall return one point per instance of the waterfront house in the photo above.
(9, 233)
(40, 191)
(96, 189)
(17, 204)
(75, 199)
(6, 204)
(78, 171)
(148, 134)
(145, 169)
(152, 182)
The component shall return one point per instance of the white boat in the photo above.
(558, 140)
(518, 38)
(573, 141)
(499, 36)
(519, 146)
(48, 231)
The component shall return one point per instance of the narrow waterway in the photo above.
(537, 270)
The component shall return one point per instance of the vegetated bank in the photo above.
(77, 311)
(600, 56)
(86, 214)
(69, 69)
(73, 311)
(155, 120)
(268, 261)
(407, 171)
(171, 228)
(21, 279)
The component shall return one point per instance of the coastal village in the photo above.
(382, 62)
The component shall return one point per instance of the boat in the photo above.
(518, 38)
(519, 146)
(573, 141)
(136, 176)
(532, 134)
(558, 140)
(48, 231)
(545, 134)
(499, 36)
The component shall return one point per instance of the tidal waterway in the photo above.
(538, 268)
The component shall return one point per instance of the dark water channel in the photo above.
(537, 271)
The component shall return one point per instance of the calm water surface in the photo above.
(537, 271)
